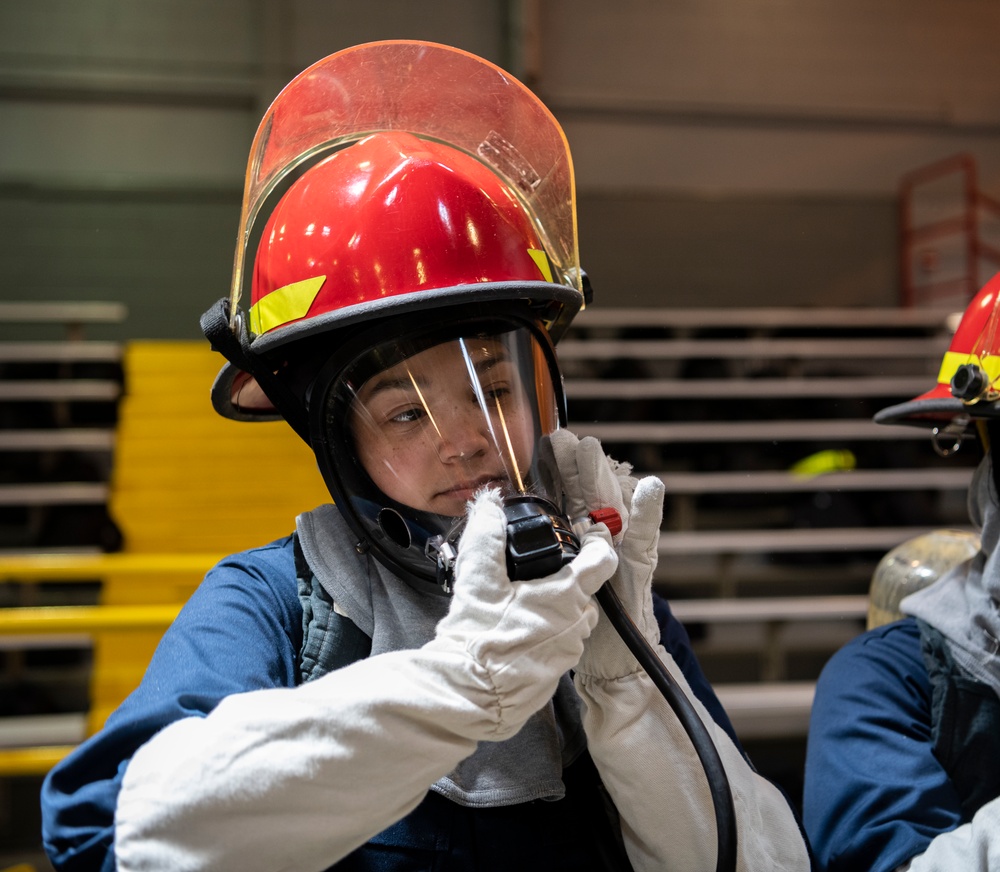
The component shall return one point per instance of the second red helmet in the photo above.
(968, 382)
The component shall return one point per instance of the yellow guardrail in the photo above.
(73, 620)
(57, 620)
(64, 620)
(31, 761)
(90, 567)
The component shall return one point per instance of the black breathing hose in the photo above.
(539, 541)
(722, 797)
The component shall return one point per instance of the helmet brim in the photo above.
(556, 306)
(237, 396)
(934, 408)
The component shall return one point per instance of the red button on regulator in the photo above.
(609, 517)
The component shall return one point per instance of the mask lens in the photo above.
(417, 426)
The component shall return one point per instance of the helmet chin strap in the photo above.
(234, 345)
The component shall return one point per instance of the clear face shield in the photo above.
(414, 427)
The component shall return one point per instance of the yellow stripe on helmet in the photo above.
(284, 305)
(990, 364)
(541, 260)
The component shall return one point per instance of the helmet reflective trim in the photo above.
(292, 302)
(973, 380)
(284, 305)
(542, 259)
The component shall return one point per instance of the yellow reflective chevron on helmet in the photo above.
(283, 305)
(542, 260)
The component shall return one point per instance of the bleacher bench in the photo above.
(187, 488)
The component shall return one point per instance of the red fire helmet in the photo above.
(968, 384)
(390, 216)
(416, 176)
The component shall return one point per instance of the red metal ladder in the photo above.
(949, 234)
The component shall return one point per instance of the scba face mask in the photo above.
(408, 430)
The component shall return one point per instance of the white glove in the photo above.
(296, 778)
(591, 480)
(646, 760)
(972, 847)
(522, 635)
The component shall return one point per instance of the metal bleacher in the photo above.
(782, 495)
(58, 394)
(766, 559)
(60, 381)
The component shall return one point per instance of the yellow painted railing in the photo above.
(101, 620)
(36, 760)
(58, 620)
(99, 567)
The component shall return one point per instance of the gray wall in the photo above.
(741, 250)
(727, 153)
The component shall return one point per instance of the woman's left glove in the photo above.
(591, 481)
(642, 751)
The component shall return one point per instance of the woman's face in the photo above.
(433, 430)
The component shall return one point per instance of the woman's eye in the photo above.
(497, 393)
(408, 416)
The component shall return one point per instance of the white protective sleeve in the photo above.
(644, 755)
(297, 778)
(972, 847)
(654, 776)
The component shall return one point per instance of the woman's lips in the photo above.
(466, 490)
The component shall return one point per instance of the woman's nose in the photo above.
(463, 434)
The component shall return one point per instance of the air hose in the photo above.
(539, 541)
(708, 754)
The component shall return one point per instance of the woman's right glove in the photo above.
(518, 637)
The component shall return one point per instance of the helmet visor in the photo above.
(416, 426)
